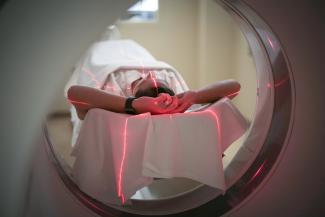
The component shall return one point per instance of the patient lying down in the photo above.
(149, 94)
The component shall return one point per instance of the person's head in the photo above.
(150, 86)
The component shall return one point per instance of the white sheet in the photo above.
(118, 154)
(106, 57)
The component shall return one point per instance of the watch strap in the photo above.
(128, 108)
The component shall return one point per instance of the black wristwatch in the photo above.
(128, 108)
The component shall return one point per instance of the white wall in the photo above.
(224, 54)
(216, 43)
(173, 38)
(245, 73)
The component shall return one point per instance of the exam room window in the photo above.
(142, 12)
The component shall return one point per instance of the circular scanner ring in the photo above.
(276, 85)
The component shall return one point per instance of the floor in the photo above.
(60, 132)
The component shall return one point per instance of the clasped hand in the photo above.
(164, 103)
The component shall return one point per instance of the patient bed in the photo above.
(118, 154)
(112, 65)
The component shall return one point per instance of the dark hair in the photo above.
(154, 92)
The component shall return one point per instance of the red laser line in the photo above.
(120, 178)
(141, 115)
(120, 194)
(233, 94)
(92, 76)
(109, 87)
(154, 81)
(218, 124)
(78, 102)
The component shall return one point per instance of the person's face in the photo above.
(145, 83)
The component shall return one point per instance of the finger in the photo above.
(160, 99)
(182, 107)
(168, 100)
(162, 108)
(165, 98)
(173, 105)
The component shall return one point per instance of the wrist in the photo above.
(194, 97)
(136, 105)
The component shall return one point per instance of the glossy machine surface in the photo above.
(295, 186)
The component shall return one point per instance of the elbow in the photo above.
(71, 93)
(234, 85)
(237, 86)
(234, 89)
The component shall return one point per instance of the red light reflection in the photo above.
(257, 173)
(278, 83)
(270, 42)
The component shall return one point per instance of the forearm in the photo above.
(216, 91)
(85, 98)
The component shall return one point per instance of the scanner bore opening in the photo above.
(261, 148)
